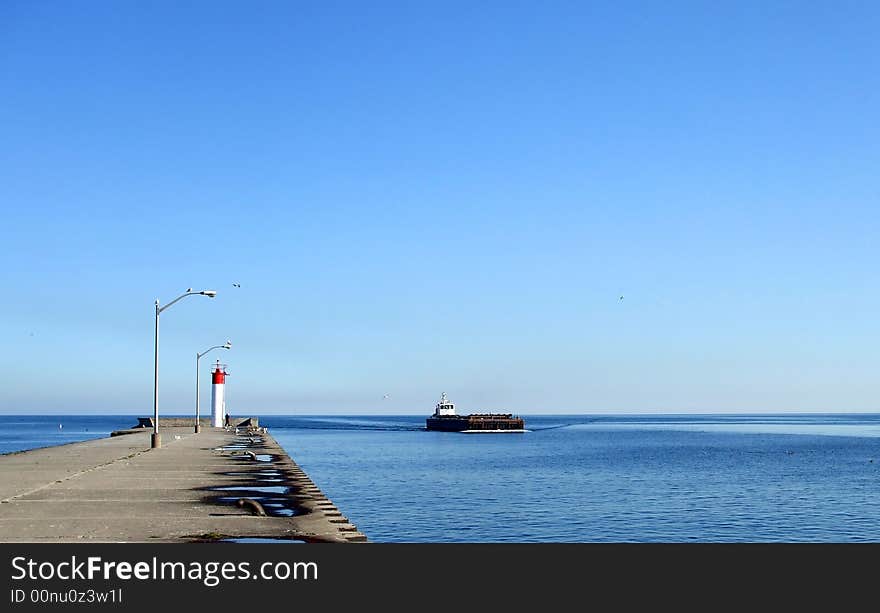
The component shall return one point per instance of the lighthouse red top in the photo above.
(218, 375)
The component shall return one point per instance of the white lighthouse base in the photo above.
(218, 405)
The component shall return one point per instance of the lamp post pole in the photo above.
(156, 439)
(227, 345)
(198, 427)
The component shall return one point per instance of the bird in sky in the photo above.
(236, 285)
(386, 396)
(620, 299)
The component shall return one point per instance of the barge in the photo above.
(445, 419)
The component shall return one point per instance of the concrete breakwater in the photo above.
(218, 485)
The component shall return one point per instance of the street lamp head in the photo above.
(209, 293)
(228, 345)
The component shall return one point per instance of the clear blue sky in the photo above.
(451, 196)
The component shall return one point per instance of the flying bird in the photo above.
(236, 285)
(386, 396)
(619, 299)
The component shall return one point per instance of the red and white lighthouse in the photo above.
(218, 395)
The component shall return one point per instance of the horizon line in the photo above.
(358, 414)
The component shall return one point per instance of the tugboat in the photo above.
(444, 419)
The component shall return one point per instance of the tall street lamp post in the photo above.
(156, 440)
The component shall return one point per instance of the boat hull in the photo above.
(481, 423)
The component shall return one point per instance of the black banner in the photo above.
(135, 577)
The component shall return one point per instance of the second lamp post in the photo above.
(227, 345)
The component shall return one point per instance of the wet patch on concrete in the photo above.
(262, 540)
(266, 489)
(251, 473)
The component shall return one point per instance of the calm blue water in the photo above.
(576, 478)
(19, 432)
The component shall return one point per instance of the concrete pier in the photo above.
(117, 489)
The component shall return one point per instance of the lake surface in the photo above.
(590, 478)
(599, 478)
(20, 432)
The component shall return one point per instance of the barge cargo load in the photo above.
(444, 419)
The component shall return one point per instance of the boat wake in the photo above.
(558, 426)
(351, 425)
